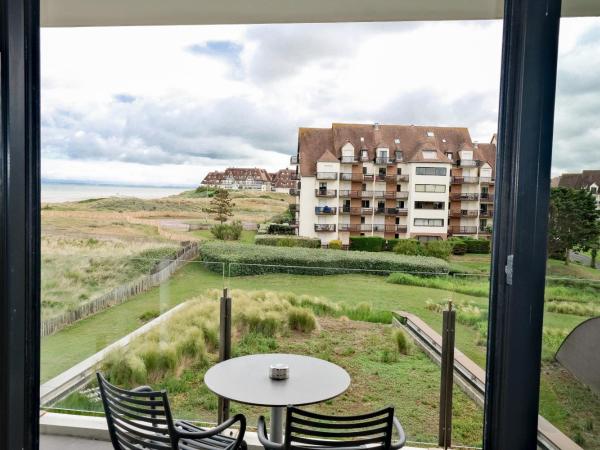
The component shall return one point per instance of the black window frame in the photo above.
(525, 127)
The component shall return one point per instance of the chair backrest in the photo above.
(306, 429)
(137, 419)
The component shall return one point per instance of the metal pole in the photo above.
(224, 348)
(447, 377)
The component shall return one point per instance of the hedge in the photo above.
(458, 246)
(477, 245)
(367, 243)
(244, 259)
(287, 241)
(280, 228)
(409, 247)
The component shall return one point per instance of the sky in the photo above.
(165, 105)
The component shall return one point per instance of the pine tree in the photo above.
(221, 205)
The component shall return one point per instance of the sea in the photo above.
(55, 192)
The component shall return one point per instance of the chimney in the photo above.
(376, 126)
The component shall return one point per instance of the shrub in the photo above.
(280, 228)
(477, 245)
(147, 316)
(401, 342)
(366, 243)
(227, 232)
(301, 320)
(242, 259)
(335, 244)
(408, 247)
(390, 244)
(458, 246)
(287, 241)
(438, 249)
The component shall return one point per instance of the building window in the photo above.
(362, 219)
(400, 204)
(594, 190)
(382, 171)
(438, 171)
(364, 155)
(429, 154)
(364, 187)
(430, 187)
(366, 203)
(399, 156)
(449, 155)
(399, 170)
(430, 205)
(429, 222)
(364, 170)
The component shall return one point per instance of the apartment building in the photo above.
(393, 181)
(587, 179)
(283, 180)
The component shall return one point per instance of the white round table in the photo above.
(246, 380)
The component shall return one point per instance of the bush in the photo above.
(458, 246)
(366, 243)
(147, 316)
(301, 320)
(335, 245)
(390, 244)
(287, 241)
(243, 259)
(401, 342)
(280, 228)
(408, 247)
(227, 232)
(438, 249)
(481, 246)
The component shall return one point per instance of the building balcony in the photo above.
(350, 194)
(486, 180)
(464, 196)
(351, 176)
(324, 226)
(468, 163)
(381, 177)
(349, 160)
(396, 228)
(325, 210)
(325, 192)
(350, 210)
(355, 227)
(327, 175)
(403, 178)
(295, 176)
(384, 160)
(486, 214)
(294, 191)
(462, 230)
(379, 210)
(464, 213)
(487, 197)
(400, 195)
(294, 207)
(294, 160)
(465, 180)
(396, 212)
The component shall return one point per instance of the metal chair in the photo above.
(141, 419)
(307, 430)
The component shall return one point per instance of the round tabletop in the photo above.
(246, 380)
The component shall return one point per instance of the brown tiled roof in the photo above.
(580, 180)
(327, 156)
(313, 142)
(238, 174)
(486, 153)
(283, 179)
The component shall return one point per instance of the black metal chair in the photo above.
(141, 419)
(307, 430)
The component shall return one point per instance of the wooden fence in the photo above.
(122, 293)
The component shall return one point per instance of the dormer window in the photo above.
(449, 155)
(430, 134)
(399, 156)
(429, 154)
(397, 141)
(364, 155)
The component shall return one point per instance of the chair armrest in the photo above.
(263, 438)
(200, 434)
(142, 389)
(401, 435)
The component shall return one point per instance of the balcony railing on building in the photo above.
(348, 176)
(326, 192)
(465, 180)
(402, 178)
(350, 210)
(325, 210)
(486, 197)
(384, 160)
(355, 227)
(294, 191)
(324, 226)
(295, 176)
(465, 213)
(462, 230)
(468, 163)
(294, 160)
(326, 175)
(464, 196)
(396, 211)
(349, 159)
(350, 194)
(486, 180)
(486, 213)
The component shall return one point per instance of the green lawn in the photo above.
(73, 344)
(247, 235)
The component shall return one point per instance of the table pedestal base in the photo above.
(277, 424)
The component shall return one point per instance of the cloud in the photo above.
(227, 50)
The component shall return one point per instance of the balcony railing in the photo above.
(402, 177)
(363, 227)
(379, 210)
(464, 196)
(351, 176)
(295, 176)
(396, 211)
(381, 177)
(350, 210)
(294, 160)
(486, 180)
(465, 213)
(365, 211)
(487, 197)
(468, 163)
(348, 159)
(325, 210)
(324, 226)
(325, 192)
(326, 175)
(396, 228)
(350, 194)
(294, 191)
(384, 160)
(465, 180)
(462, 230)
(487, 213)
(401, 194)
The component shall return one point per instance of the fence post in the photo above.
(224, 348)
(447, 377)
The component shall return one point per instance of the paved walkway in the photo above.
(583, 259)
(70, 443)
